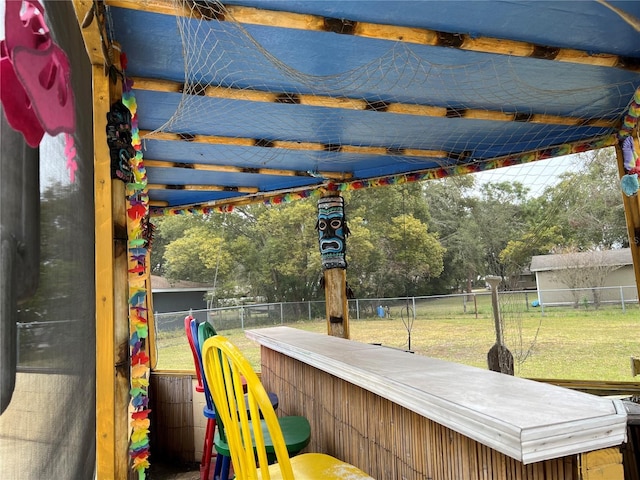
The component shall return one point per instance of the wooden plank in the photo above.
(92, 33)
(632, 216)
(286, 145)
(104, 264)
(395, 33)
(407, 177)
(112, 375)
(153, 351)
(324, 355)
(601, 388)
(202, 188)
(335, 288)
(603, 464)
(234, 169)
(389, 438)
(360, 104)
(121, 329)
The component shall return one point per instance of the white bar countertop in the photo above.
(524, 419)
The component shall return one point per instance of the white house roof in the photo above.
(619, 257)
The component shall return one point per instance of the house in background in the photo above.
(594, 277)
(179, 296)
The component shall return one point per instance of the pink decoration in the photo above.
(46, 77)
(35, 86)
(70, 153)
(17, 105)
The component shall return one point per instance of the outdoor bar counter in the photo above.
(399, 415)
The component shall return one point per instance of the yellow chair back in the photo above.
(224, 368)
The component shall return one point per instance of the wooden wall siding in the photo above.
(171, 403)
(385, 439)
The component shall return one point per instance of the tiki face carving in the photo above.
(332, 232)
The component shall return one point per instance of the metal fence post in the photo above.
(281, 313)
(357, 309)
(413, 301)
(475, 304)
(622, 298)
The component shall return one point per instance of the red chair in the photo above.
(223, 462)
(191, 329)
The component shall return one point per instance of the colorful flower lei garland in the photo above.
(138, 245)
(316, 191)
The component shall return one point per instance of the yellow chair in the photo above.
(224, 368)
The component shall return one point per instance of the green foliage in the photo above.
(437, 237)
(500, 214)
(537, 241)
(452, 208)
(363, 258)
(198, 256)
(587, 205)
(290, 230)
(413, 255)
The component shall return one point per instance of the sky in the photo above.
(535, 175)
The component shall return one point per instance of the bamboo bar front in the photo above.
(396, 415)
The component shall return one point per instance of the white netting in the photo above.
(228, 60)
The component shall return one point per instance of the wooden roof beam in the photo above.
(396, 33)
(212, 91)
(251, 170)
(203, 188)
(297, 146)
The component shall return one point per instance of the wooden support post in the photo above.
(112, 323)
(332, 233)
(603, 464)
(635, 366)
(632, 215)
(105, 301)
(335, 288)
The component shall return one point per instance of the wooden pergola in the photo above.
(404, 136)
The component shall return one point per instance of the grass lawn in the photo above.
(564, 343)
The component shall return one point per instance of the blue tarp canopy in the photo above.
(258, 99)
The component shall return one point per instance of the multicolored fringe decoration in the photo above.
(631, 118)
(138, 244)
(201, 210)
(629, 182)
(431, 174)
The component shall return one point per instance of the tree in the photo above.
(277, 250)
(377, 205)
(588, 206)
(413, 255)
(364, 258)
(500, 215)
(516, 256)
(494, 229)
(451, 206)
(171, 228)
(199, 256)
(394, 219)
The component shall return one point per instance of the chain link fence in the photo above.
(439, 306)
